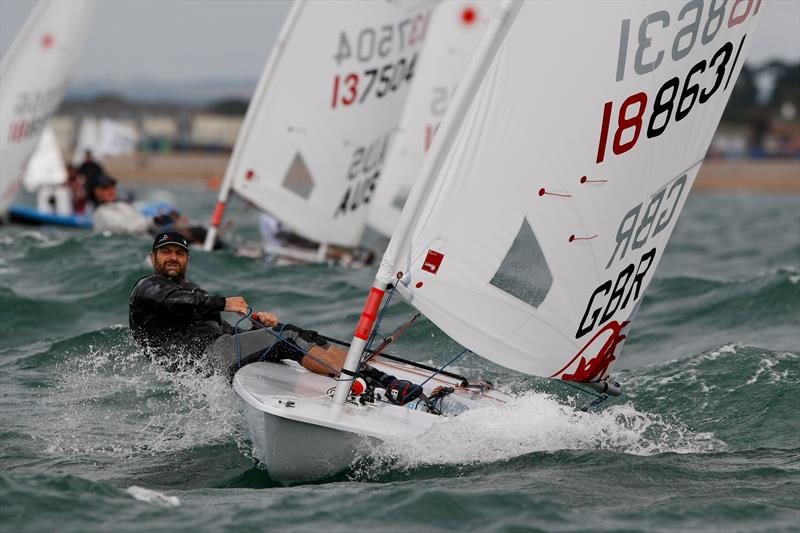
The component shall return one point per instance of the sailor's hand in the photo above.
(268, 319)
(236, 304)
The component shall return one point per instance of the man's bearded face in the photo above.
(170, 260)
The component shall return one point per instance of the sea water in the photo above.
(706, 436)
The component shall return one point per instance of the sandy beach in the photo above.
(765, 176)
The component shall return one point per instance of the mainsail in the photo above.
(46, 166)
(558, 175)
(315, 137)
(104, 138)
(117, 138)
(33, 77)
(456, 28)
(88, 139)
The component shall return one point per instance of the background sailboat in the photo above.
(46, 175)
(547, 198)
(456, 28)
(33, 77)
(314, 141)
(104, 138)
(46, 166)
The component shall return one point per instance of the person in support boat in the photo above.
(113, 215)
(179, 325)
(90, 170)
(76, 184)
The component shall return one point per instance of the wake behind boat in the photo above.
(542, 208)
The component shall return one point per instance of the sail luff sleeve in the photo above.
(496, 29)
(252, 114)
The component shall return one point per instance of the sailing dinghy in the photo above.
(315, 137)
(541, 211)
(33, 77)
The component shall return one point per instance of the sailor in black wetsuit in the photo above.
(91, 170)
(179, 325)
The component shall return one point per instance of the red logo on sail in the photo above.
(596, 367)
(47, 40)
(468, 15)
(432, 261)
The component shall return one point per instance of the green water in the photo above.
(706, 437)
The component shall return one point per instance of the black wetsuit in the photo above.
(91, 170)
(176, 322)
(168, 316)
(179, 323)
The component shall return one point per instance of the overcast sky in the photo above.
(175, 40)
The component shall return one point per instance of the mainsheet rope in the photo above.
(453, 360)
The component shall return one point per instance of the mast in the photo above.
(266, 78)
(495, 32)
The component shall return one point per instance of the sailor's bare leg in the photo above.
(323, 360)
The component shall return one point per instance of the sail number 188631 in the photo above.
(672, 99)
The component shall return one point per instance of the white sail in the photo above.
(104, 138)
(553, 186)
(315, 137)
(116, 138)
(46, 166)
(88, 139)
(33, 77)
(456, 28)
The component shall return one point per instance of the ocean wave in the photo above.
(734, 391)
(690, 315)
(41, 502)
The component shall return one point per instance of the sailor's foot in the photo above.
(401, 391)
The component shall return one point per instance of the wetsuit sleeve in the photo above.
(155, 293)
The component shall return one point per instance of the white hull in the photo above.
(297, 437)
(299, 451)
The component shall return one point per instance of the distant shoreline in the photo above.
(760, 176)
(764, 176)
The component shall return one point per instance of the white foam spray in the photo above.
(112, 402)
(153, 496)
(538, 422)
